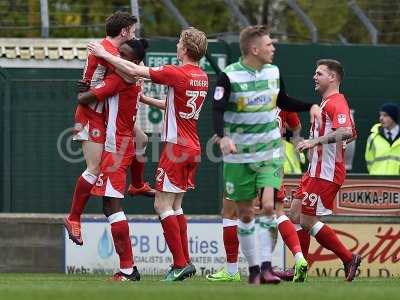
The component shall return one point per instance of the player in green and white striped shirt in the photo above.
(246, 98)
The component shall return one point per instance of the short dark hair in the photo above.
(248, 34)
(333, 65)
(139, 47)
(117, 21)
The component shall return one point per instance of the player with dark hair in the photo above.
(89, 119)
(326, 172)
(188, 85)
(121, 101)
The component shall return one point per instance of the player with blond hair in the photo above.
(245, 104)
(188, 85)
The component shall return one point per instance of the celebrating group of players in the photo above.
(246, 101)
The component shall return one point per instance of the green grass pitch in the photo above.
(59, 286)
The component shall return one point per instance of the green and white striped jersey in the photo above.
(251, 116)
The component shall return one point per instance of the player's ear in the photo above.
(124, 32)
(254, 49)
(333, 76)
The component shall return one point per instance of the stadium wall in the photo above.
(38, 106)
(37, 243)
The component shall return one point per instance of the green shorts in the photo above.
(242, 181)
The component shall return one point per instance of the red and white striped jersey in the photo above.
(121, 103)
(187, 90)
(327, 160)
(96, 69)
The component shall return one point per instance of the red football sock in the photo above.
(137, 172)
(329, 240)
(80, 198)
(184, 236)
(304, 239)
(231, 243)
(173, 238)
(289, 235)
(122, 243)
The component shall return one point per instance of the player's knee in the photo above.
(229, 213)
(268, 209)
(94, 169)
(107, 210)
(157, 207)
(142, 145)
(160, 206)
(246, 218)
(294, 217)
(246, 215)
(305, 224)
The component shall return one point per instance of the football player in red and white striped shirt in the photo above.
(188, 85)
(89, 119)
(120, 101)
(326, 172)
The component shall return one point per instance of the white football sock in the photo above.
(265, 238)
(298, 256)
(247, 240)
(127, 271)
(232, 268)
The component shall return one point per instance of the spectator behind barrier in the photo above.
(382, 153)
(350, 149)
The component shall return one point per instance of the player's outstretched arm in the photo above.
(129, 68)
(161, 104)
(338, 135)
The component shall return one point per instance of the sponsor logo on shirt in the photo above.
(256, 101)
(260, 100)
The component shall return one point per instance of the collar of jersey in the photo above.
(248, 68)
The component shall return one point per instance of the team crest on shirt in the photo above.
(341, 118)
(230, 188)
(219, 92)
(95, 132)
(243, 86)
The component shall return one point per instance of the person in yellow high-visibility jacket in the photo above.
(382, 153)
(293, 159)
